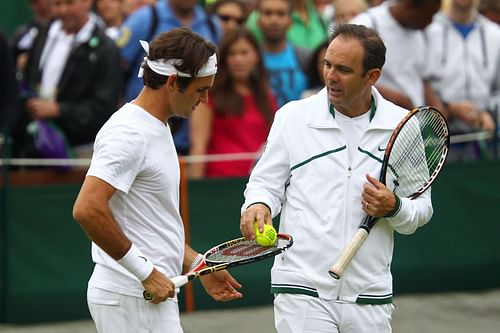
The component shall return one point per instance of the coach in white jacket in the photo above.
(320, 170)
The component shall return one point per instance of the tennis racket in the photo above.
(232, 253)
(413, 158)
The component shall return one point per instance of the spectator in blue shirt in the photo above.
(285, 63)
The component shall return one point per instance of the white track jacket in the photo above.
(465, 68)
(304, 173)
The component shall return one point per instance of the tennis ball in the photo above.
(267, 237)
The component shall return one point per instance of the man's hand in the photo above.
(472, 115)
(221, 286)
(39, 108)
(377, 199)
(158, 286)
(255, 213)
(487, 121)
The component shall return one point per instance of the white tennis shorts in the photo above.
(114, 313)
(295, 313)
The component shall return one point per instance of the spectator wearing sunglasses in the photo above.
(232, 13)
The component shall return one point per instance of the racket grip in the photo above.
(337, 270)
(180, 280)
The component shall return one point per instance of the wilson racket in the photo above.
(232, 253)
(413, 158)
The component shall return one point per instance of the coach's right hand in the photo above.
(159, 286)
(259, 213)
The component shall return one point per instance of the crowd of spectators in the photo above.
(77, 61)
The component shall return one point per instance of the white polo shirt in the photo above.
(405, 66)
(134, 152)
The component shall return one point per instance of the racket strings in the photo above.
(437, 139)
(241, 251)
(418, 152)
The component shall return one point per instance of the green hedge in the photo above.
(46, 256)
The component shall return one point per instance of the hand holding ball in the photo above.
(267, 237)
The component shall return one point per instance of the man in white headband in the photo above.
(128, 203)
(169, 67)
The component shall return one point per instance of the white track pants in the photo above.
(295, 313)
(116, 313)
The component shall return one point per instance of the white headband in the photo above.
(167, 67)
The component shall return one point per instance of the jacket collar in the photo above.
(386, 117)
(373, 108)
(320, 116)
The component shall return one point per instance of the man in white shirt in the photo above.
(400, 23)
(129, 201)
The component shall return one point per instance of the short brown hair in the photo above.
(373, 46)
(179, 43)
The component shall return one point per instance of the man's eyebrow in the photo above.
(340, 66)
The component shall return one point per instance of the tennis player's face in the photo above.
(184, 102)
(346, 83)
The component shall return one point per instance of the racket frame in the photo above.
(207, 267)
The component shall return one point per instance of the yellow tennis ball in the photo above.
(267, 237)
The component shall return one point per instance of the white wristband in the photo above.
(199, 258)
(136, 263)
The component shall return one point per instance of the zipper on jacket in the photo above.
(465, 53)
(347, 209)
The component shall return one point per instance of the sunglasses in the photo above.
(227, 18)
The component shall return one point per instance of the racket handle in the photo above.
(180, 280)
(337, 270)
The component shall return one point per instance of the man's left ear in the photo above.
(172, 82)
(373, 75)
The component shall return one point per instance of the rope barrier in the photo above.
(84, 162)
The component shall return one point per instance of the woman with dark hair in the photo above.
(240, 110)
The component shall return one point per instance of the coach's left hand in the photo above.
(377, 200)
(221, 286)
